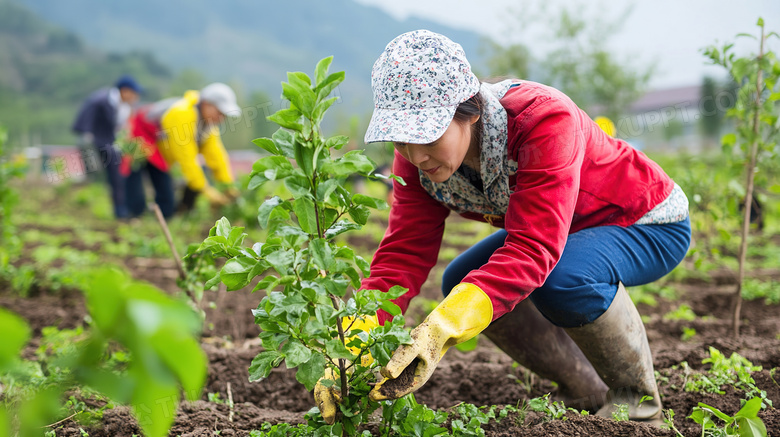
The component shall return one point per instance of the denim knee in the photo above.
(570, 300)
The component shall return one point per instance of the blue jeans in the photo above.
(163, 191)
(111, 158)
(582, 285)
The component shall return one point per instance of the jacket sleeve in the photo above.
(410, 247)
(216, 157)
(549, 150)
(180, 127)
(85, 119)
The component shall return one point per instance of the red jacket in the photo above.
(570, 176)
(144, 131)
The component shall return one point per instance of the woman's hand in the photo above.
(463, 314)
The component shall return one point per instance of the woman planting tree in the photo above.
(581, 214)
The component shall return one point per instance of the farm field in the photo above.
(64, 229)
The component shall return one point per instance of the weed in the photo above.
(688, 333)
(621, 413)
(745, 423)
(683, 312)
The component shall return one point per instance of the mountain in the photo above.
(247, 42)
(46, 71)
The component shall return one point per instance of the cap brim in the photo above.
(421, 126)
(230, 110)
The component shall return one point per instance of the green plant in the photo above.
(9, 170)
(309, 316)
(745, 423)
(158, 334)
(553, 410)
(688, 333)
(732, 371)
(683, 312)
(756, 114)
(668, 417)
(471, 418)
(621, 413)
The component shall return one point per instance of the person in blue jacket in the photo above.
(102, 115)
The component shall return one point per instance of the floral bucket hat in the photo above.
(418, 83)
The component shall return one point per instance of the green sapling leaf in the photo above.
(295, 354)
(322, 255)
(262, 365)
(307, 217)
(321, 70)
(312, 370)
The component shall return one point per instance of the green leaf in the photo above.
(321, 252)
(300, 95)
(281, 260)
(298, 185)
(266, 282)
(311, 371)
(321, 71)
(750, 409)
(287, 118)
(363, 265)
(264, 212)
(16, 332)
(395, 292)
(236, 236)
(390, 308)
(339, 228)
(268, 145)
(337, 142)
(307, 218)
(352, 162)
(295, 354)
(468, 345)
(330, 83)
(262, 365)
(371, 202)
(336, 349)
(184, 356)
(324, 314)
(325, 189)
(271, 168)
(153, 404)
(729, 140)
(722, 416)
(235, 272)
(359, 214)
(323, 106)
(212, 282)
(304, 157)
(223, 227)
(751, 427)
(284, 139)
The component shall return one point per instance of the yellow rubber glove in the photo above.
(215, 197)
(463, 314)
(328, 398)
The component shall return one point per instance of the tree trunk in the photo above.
(751, 171)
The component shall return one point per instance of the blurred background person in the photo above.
(190, 127)
(103, 114)
(143, 157)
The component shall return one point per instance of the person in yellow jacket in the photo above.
(191, 127)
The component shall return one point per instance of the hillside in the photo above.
(45, 72)
(247, 42)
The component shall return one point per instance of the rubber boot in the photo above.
(545, 349)
(616, 344)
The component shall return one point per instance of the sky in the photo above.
(668, 34)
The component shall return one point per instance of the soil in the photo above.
(484, 376)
